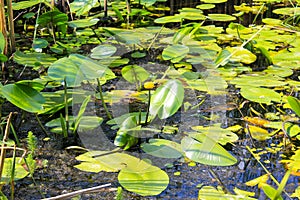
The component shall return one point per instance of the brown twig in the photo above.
(3, 147)
(71, 194)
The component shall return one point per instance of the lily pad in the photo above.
(213, 1)
(221, 17)
(19, 172)
(216, 133)
(260, 95)
(103, 51)
(175, 53)
(35, 60)
(134, 73)
(142, 178)
(242, 55)
(206, 151)
(162, 148)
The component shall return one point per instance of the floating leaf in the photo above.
(212, 193)
(134, 73)
(213, 1)
(26, 4)
(103, 51)
(221, 17)
(295, 104)
(291, 11)
(24, 97)
(19, 172)
(206, 6)
(258, 133)
(206, 151)
(175, 53)
(82, 7)
(142, 178)
(214, 132)
(34, 60)
(168, 19)
(135, 175)
(82, 23)
(241, 55)
(257, 80)
(162, 148)
(167, 99)
(260, 95)
(258, 181)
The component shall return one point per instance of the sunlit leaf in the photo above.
(162, 148)
(134, 73)
(258, 181)
(241, 55)
(82, 7)
(82, 23)
(19, 172)
(103, 51)
(26, 4)
(24, 97)
(260, 95)
(206, 151)
(258, 133)
(212, 193)
(35, 60)
(295, 104)
(175, 53)
(168, 19)
(214, 132)
(167, 99)
(142, 178)
(221, 17)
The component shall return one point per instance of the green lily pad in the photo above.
(272, 21)
(279, 71)
(206, 151)
(168, 19)
(82, 23)
(216, 133)
(175, 53)
(162, 148)
(213, 1)
(257, 80)
(135, 175)
(142, 178)
(241, 55)
(19, 172)
(221, 17)
(35, 60)
(103, 51)
(134, 73)
(260, 95)
(211, 193)
(291, 11)
(206, 6)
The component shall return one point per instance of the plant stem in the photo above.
(15, 135)
(148, 106)
(11, 26)
(66, 105)
(102, 99)
(3, 149)
(40, 124)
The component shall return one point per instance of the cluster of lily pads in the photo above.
(200, 58)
